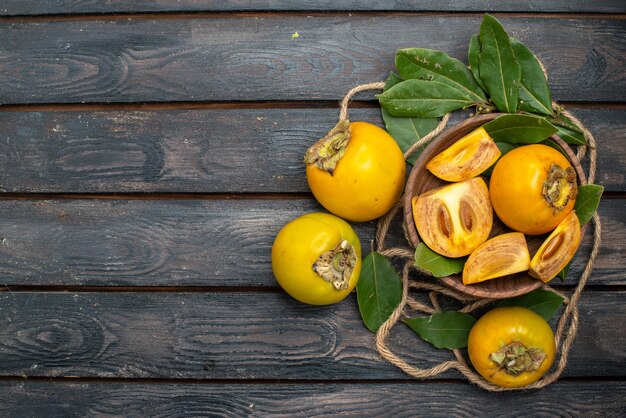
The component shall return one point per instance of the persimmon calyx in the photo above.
(336, 265)
(560, 187)
(515, 358)
(327, 151)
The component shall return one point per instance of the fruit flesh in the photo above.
(466, 158)
(557, 250)
(500, 256)
(454, 219)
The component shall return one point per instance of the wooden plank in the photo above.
(241, 336)
(589, 399)
(256, 58)
(47, 7)
(193, 243)
(203, 150)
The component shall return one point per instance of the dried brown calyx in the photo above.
(560, 187)
(336, 265)
(327, 152)
(515, 358)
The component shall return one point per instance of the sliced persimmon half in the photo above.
(454, 219)
(557, 250)
(466, 158)
(500, 256)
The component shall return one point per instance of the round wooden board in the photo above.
(421, 180)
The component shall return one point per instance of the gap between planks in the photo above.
(191, 196)
(158, 196)
(187, 15)
(269, 104)
(235, 381)
(215, 289)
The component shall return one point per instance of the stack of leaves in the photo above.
(503, 75)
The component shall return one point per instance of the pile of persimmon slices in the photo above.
(532, 189)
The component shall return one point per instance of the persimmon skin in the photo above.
(297, 247)
(517, 189)
(367, 181)
(505, 325)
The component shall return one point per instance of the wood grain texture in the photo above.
(193, 242)
(47, 7)
(241, 336)
(207, 150)
(20, 399)
(256, 58)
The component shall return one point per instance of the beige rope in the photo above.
(419, 306)
(567, 325)
(383, 332)
(343, 109)
(425, 140)
(434, 300)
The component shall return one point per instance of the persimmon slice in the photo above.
(455, 219)
(466, 158)
(557, 250)
(501, 255)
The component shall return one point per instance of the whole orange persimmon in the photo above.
(533, 188)
(357, 171)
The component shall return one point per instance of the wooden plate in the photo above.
(421, 180)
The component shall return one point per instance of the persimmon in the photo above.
(316, 258)
(357, 171)
(511, 346)
(533, 188)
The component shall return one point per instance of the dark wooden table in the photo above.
(151, 150)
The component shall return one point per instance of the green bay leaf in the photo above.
(587, 201)
(499, 69)
(563, 273)
(534, 92)
(568, 131)
(424, 99)
(570, 136)
(473, 59)
(379, 290)
(552, 144)
(519, 129)
(443, 329)
(543, 302)
(563, 120)
(406, 131)
(431, 65)
(436, 264)
(392, 80)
